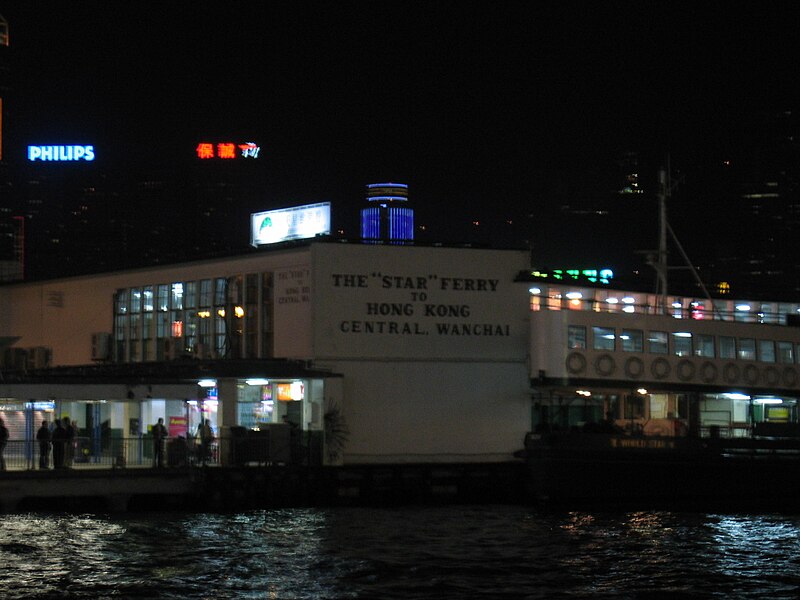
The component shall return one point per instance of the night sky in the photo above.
(486, 109)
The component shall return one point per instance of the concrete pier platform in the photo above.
(239, 488)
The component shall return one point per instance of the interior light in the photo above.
(736, 396)
(641, 391)
(574, 295)
(257, 381)
(682, 334)
(207, 383)
(612, 300)
(743, 307)
(535, 290)
(628, 300)
(767, 401)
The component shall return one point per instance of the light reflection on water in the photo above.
(418, 552)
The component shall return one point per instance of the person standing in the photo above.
(69, 438)
(43, 437)
(59, 439)
(3, 443)
(206, 437)
(159, 437)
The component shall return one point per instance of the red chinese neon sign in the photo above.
(227, 150)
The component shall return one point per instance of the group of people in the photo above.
(160, 435)
(60, 440)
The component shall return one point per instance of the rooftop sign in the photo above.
(297, 222)
(61, 153)
(227, 150)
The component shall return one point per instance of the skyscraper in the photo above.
(387, 218)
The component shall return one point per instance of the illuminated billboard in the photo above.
(295, 223)
(60, 153)
(227, 150)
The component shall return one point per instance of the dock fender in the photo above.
(576, 363)
(634, 367)
(731, 373)
(751, 374)
(771, 376)
(789, 376)
(686, 370)
(604, 365)
(708, 372)
(660, 368)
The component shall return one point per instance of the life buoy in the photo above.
(576, 363)
(685, 370)
(634, 367)
(771, 376)
(789, 376)
(604, 365)
(708, 372)
(750, 374)
(660, 368)
(731, 373)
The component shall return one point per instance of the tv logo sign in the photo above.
(60, 153)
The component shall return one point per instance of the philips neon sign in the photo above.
(227, 150)
(60, 153)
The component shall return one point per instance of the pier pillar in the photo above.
(227, 415)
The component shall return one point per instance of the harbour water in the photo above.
(468, 551)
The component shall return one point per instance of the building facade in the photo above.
(422, 351)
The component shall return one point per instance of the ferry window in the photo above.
(631, 340)
(122, 302)
(786, 352)
(682, 343)
(704, 346)
(727, 347)
(190, 298)
(147, 298)
(163, 297)
(766, 351)
(603, 338)
(177, 295)
(205, 293)
(220, 291)
(634, 406)
(136, 300)
(576, 337)
(657, 342)
(747, 349)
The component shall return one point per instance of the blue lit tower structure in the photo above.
(387, 218)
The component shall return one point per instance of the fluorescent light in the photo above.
(743, 307)
(207, 383)
(257, 381)
(767, 401)
(736, 396)
(574, 295)
(535, 290)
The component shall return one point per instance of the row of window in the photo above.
(603, 300)
(681, 343)
(220, 317)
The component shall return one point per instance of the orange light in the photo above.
(177, 329)
(205, 150)
(226, 150)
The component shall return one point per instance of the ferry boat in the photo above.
(659, 398)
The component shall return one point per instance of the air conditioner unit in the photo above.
(39, 357)
(101, 346)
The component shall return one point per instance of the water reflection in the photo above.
(424, 552)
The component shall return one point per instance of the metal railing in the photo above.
(140, 452)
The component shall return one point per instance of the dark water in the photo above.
(425, 552)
